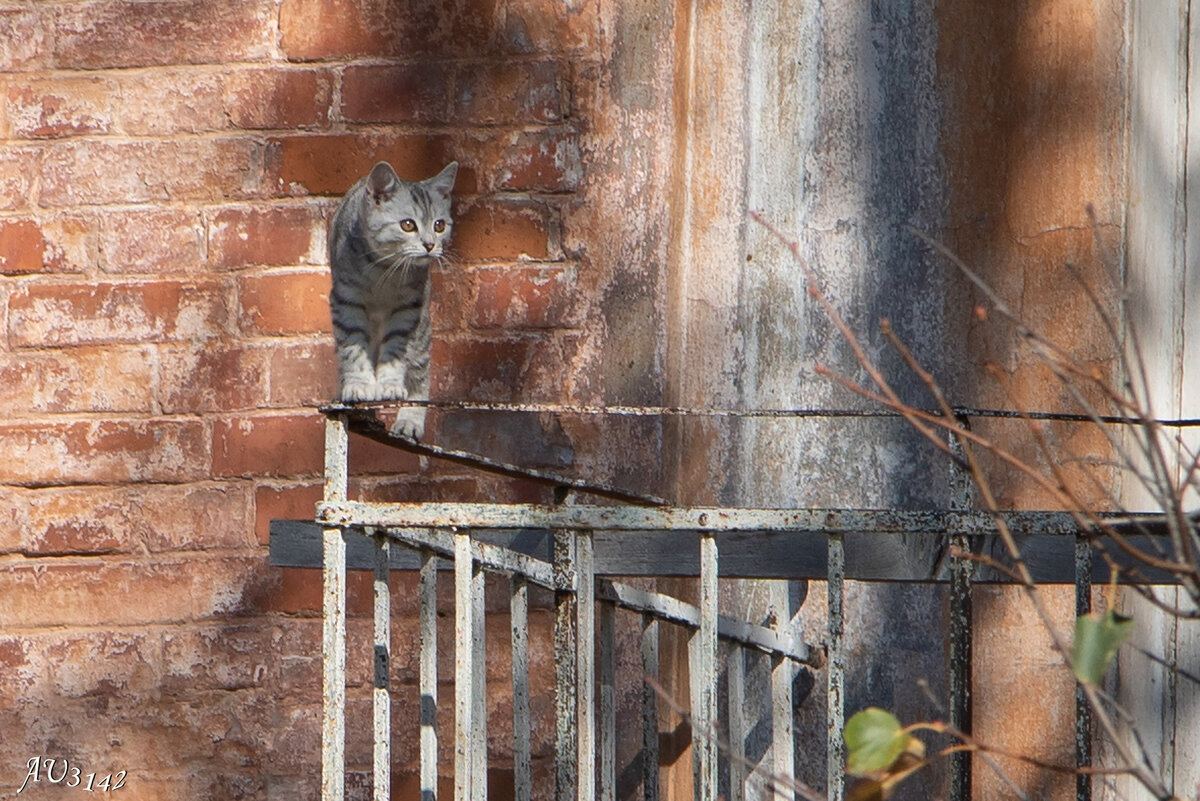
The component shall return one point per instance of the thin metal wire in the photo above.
(684, 411)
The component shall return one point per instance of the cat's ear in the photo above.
(443, 182)
(382, 181)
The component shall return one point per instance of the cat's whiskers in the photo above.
(445, 260)
(392, 263)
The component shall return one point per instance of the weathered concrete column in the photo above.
(808, 114)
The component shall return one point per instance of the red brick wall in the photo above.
(166, 173)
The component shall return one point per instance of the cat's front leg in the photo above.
(394, 359)
(410, 421)
(390, 380)
(356, 382)
(356, 374)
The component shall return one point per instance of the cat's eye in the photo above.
(439, 226)
(408, 226)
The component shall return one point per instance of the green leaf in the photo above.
(874, 741)
(1097, 639)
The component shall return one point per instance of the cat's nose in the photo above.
(428, 247)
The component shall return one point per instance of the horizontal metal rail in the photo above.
(650, 520)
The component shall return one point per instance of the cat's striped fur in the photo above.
(383, 238)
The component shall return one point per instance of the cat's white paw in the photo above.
(359, 391)
(409, 424)
(392, 390)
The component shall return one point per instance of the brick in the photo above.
(531, 26)
(212, 378)
(103, 663)
(302, 374)
(85, 379)
(187, 518)
(271, 236)
(298, 591)
(539, 161)
(166, 102)
(72, 521)
(407, 93)
(450, 295)
(64, 243)
(368, 457)
(18, 168)
(116, 33)
(22, 668)
(481, 370)
(289, 502)
(225, 658)
(487, 232)
(279, 98)
(316, 29)
(115, 312)
(293, 445)
(275, 445)
(277, 303)
(322, 29)
(22, 247)
(23, 37)
(156, 241)
(87, 172)
(103, 452)
(170, 737)
(13, 520)
(330, 165)
(525, 297)
(58, 107)
(154, 518)
(130, 593)
(509, 93)
(564, 368)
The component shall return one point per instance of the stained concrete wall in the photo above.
(824, 120)
(990, 128)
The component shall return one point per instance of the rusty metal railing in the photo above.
(587, 544)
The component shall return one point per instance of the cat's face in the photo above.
(405, 220)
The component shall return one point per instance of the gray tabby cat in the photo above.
(384, 236)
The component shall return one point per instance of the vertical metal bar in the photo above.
(1083, 712)
(428, 678)
(585, 664)
(383, 656)
(565, 712)
(608, 703)
(479, 781)
(337, 444)
(836, 671)
(333, 649)
(519, 618)
(703, 671)
(735, 679)
(961, 614)
(783, 746)
(960, 667)
(649, 709)
(333, 635)
(464, 659)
